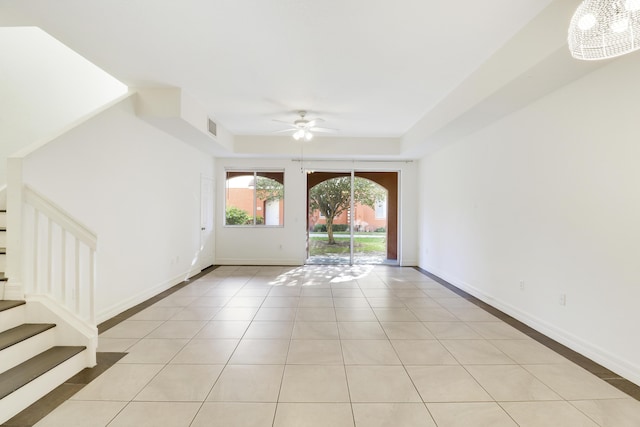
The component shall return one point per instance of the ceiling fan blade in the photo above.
(282, 121)
(313, 122)
(286, 130)
(327, 130)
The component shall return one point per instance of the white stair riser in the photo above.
(3, 219)
(3, 239)
(25, 396)
(18, 353)
(13, 317)
(3, 262)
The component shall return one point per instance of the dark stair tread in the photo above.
(3, 278)
(3, 251)
(20, 333)
(6, 304)
(3, 228)
(28, 371)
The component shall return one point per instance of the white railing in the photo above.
(61, 258)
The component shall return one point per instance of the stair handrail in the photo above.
(54, 214)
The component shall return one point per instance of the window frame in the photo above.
(255, 173)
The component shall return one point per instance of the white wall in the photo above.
(286, 245)
(138, 189)
(44, 86)
(549, 195)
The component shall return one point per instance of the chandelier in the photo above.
(602, 29)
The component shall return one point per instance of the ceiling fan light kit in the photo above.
(303, 128)
(602, 29)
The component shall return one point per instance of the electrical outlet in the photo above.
(522, 285)
(563, 299)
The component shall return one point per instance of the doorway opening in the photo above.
(352, 217)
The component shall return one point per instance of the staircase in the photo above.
(3, 249)
(31, 365)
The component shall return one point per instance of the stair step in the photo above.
(3, 278)
(7, 304)
(23, 332)
(24, 373)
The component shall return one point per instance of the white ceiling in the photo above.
(370, 68)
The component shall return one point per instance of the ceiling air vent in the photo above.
(213, 128)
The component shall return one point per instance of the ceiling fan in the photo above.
(304, 128)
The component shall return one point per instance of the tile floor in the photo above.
(365, 346)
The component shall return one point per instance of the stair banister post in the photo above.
(15, 286)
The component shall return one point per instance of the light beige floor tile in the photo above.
(315, 352)
(472, 414)
(285, 291)
(407, 331)
(545, 414)
(260, 291)
(314, 383)
(409, 294)
(120, 382)
(132, 329)
(206, 352)
(378, 293)
(150, 350)
(226, 414)
(574, 383)
(347, 293)
(421, 302)
(315, 314)
(156, 313)
(529, 352)
(323, 292)
(452, 331)
(313, 415)
(175, 301)
(476, 352)
(276, 314)
(93, 413)
(236, 313)
(497, 331)
(260, 352)
(347, 314)
(181, 383)
(430, 314)
(196, 313)
(395, 315)
(153, 414)
(178, 329)
(281, 302)
(117, 345)
(315, 331)
(223, 329)
(388, 302)
(456, 302)
(446, 384)
(441, 292)
(369, 352)
(361, 331)
(212, 301)
(269, 330)
(351, 302)
(248, 383)
(380, 384)
(423, 352)
(473, 314)
(307, 301)
(611, 412)
(392, 414)
(237, 301)
(511, 383)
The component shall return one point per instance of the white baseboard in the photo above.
(598, 354)
(142, 296)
